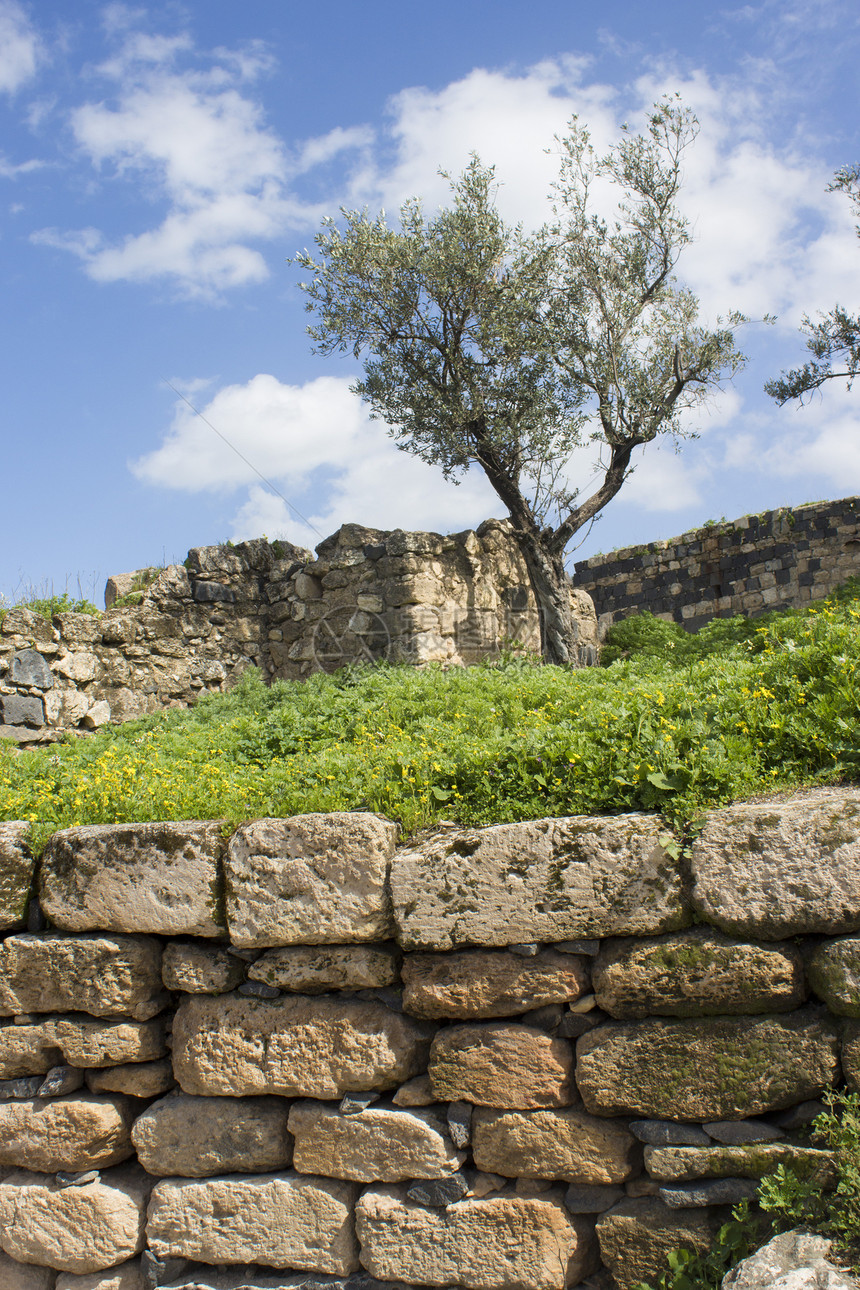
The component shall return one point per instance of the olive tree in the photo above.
(486, 345)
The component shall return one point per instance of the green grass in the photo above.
(48, 605)
(742, 708)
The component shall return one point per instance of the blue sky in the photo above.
(160, 163)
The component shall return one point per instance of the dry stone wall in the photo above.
(531, 1056)
(366, 595)
(784, 557)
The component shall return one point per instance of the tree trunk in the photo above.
(551, 587)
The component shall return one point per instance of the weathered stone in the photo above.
(24, 1276)
(780, 869)
(735, 1133)
(834, 974)
(569, 1145)
(98, 715)
(666, 1133)
(259, 990)
(279, 1220)
(295, 1046)
(511, 1241)
(138, 1079)
(35, 1049)
(128, 1276)
(713, 1191)
(74, 1229)
(459, 1119)
(312, 969)
(61, 1080)
(683, 1164)
(198, 1136)
(715, 1068)
(82, 1132)
(355, 1103)
(17, 1090)
(102, 975)
(16, 874)
(200, 969)
(439, 1193)
(582, 1199)
(160, 878)
(27, 667)
(795, 1260)
(501, 1065)
(22, 710)
(380, 1145)
(415, 1092)
(695, 973)
(483, 984)
(310, 880)
(851, 1055)
(545, 880)
(637, 1236)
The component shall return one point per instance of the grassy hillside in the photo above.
(675, 723)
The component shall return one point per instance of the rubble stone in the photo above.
(477, 983)
(379, 1145)
(569, 1145)
(198, 1136)
(102, 975)
(79, 1132)
(495, 1064)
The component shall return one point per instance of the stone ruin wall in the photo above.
(782, 558)
(366, 595)
(530, 1056)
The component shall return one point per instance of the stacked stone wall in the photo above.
(366, 596)
(786, 557)
(530, 1056)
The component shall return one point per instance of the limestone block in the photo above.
(198, 1136)
(478, 983)
(138, 1079)
(382, 1144)
(833, 969)
(200, 969)
(128, 1276)
(566, 1144)
(780, 869)
(79, 667)
(79, 629)
(501, 1065)
(98, 715)
(795, 1260)
(544, 880)
(279, 1220)
(313, 969)
(24, 1276)
(295, 1046)
(696, 973)
(34, 1049)
(102, 975)
(24, 623)
(70, 1133)
(715, 1068)
(637, 1236)
(521, 1243)
(160, 878)
(312, 879)
(16, 874)
(683, 1164)
(74, 1229)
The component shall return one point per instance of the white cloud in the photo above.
(818, 443)
(20, 47)
(662, 481)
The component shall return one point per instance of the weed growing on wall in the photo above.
(49, 604)
(686, 1270)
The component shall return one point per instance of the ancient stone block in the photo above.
(69, 1133)
(833, 969)
(570, 1145)
(34, 1049)
(524, 1243)
(138, 1079)
(313, 969)
(695, 973)
(478, 983)
(128, 1276)
(681, 1164)
(796, 1260)
(720, 1067)
(280, 1220)
(312, 879)
(102, 975)
(295, 1046)
(200, 969)
(198, 1136)
(27, 667)
(74, 1229)
(780, 869)
(22, 710)
(379, 1145)
(16, 874)
(24, 1276)
(545, 880)
(160, 878)
(637, 1236)
(501, 1065)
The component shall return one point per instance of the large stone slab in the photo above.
(102, 975)
(296, 1046)
(200, 969)
(280, 1220)
(696, 973)
(569, 1145)
(501, 1065)
(715, 1068)
(685, 1164)
(521, 1243)
(545, 880)
(16, 874)
(833, 969)
(313, 969)
(480, 983)
(162, 878)
(198, 1136)
(382, 1144)
(24, 1276)
(138, 1079)
(128, 1276)
(795, 1260)
(780, 869)
(74, 1229)
(34, 1049)
(72, 1133)
(310, 880)
(637, 1236)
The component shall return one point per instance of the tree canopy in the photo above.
(484, 344)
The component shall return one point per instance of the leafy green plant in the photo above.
(687, 1270)
(48, 605)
